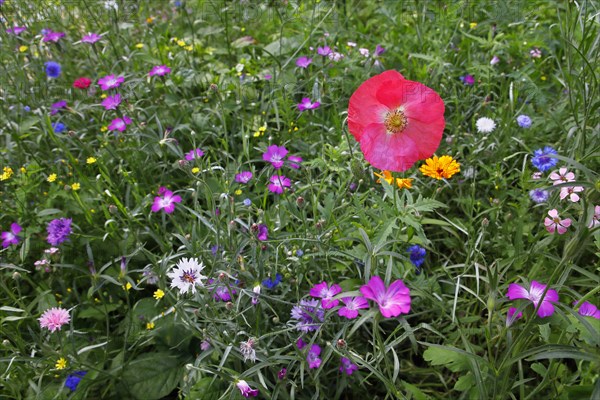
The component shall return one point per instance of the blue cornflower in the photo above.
(52, 69)
(58, 127)
(270, 283)
(524, 121)
(538, 195)
(74, 379)
(247, 202)
(299, 253)
(541, 159)
(26, 108)
(417, 256)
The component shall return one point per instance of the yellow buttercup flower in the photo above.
(181, 43)
(127, 286)
(139, 45)
(6, 173)
(150, 325)
(238, 192)
(23, 49)
(195, 170)
(51, 178)
(90, 160)
(473, 25)
(442, 167)
(61, 363)
(104, 129)
(76, 186)
(402, 183)
(158, 294)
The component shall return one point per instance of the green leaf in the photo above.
(452, 360)
(414, 391)
(465, 382)
(207, 389)
(152, 376)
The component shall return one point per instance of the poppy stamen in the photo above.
(395, 121)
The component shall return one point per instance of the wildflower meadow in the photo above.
(299, 199)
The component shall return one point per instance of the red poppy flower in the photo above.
(396, 121)
(82, 83)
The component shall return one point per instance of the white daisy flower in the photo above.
(187, 275)
(485, 125)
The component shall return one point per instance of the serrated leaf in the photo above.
(152, 376)
(450, 359)
(207, 389)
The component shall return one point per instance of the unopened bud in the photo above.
(112, 209)
(229, 305)
(300, 201)
(341, 343)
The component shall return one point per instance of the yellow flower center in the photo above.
(395, 121)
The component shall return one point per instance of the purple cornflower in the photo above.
(10, 237)
(275, 155)
(56, 107)
(313, 356)
(52, 69)
(282, 373)
(538, 195)
(166, 202)
(308, 315)
(119, 124)
(74, 379)
(193, 154)
(263, 232)
(247, 202)
(495, 60)
(278, 184)
(587, 309)
(16, 30)
(112, 102)
(222, 292)
(306, 104)
(352, 305)
(534, 294)
(270, 283)
(524, 121)
(417, 256)
(468, 80)
(159, 70)
(323, 51)
(379, 50)
(392, 301)
(542, 160)
(300, 344)
(51, 36)
(347, 366)
(243, 177)
(294, 161)
(303, 62)
(325, 292)
(91, 38)
(58, 231)
(110, 82)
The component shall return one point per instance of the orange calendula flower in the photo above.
(442, 167)
(403, 183)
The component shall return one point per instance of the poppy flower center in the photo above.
(395, 121)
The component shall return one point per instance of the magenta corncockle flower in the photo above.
(511, 317)
(392, 301)
(570, 192)
(112, 102)
(562, 176)
(313, 356)
(193, 154)
(110, 82)
(54, 318)
(119, 124)
(306, 104)
(595, 218)
(275, 155)
(243, 177)
(56, 107)
(325, 292)
(294, 161)
(352, 305)
(300, 344)
(278, 184)
(323, 51)
(245, 389)
(347, 366)
(10, 237)
(159, 70)
(263, 232)
(166, 202)
(554, 223)
(51, 36)
(16, 30)
(587, 309)
(534, 294)
(91, 38)
(303, 62)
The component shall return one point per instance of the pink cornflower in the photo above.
(159, 70)
(91, 38)
(54, 318)
(51, 36)
(571, 192)
(335, 56)
(294, 161)
(562, 176)
(303, 62)
(275, 155)
(166, 202)
(119, 124)
(10, 237)
(393, 301)
(535, 53)
(352, 305)
(245, 389)
(110, 82)
(325, 292)
(313, 356)
(512, 317)
(243, 177)
(323, 51)
(278, 184)
(535, 295)
(554, 223)
(587, 309)
(306, 104)
(112, 102)
(595, 218)
(193, 154)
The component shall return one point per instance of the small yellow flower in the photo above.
(438, 168)
(238, 192)
(180, 43)
(139, 45)
(90, 160)
(543, 78)
(76, 186)
(158, 294)
(104, 128)
(150, 20)
(51, 178)
(61, 363)
(127, 286)
(103, 96)
(23, 170)
(195, 170)
(473, 25)
(23, 49)
(150, 325)
(189, 48)
(401, 182)
(6, 173)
